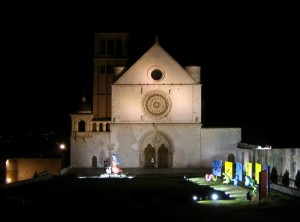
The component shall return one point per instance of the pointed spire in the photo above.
(156, 39)
(83, 99)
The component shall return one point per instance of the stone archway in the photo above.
(156, 150)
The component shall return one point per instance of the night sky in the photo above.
(249, 69)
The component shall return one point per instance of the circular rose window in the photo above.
(156, 104)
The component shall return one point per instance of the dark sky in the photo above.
(249, 72)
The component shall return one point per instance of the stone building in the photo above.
(149, 114)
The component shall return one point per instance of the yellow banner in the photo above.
(249, 169)
(229, 168)
(257, 171)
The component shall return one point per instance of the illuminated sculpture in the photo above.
(210, 177)
(115, 165)
(251, 182)
(108, 170)
(226, 178)
(235, 181)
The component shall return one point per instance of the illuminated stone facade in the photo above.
(152, 116)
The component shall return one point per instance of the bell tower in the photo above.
(110, 60)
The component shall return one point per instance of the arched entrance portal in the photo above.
(149, 156)
(162, 157)
(156, 150)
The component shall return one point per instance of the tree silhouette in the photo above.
(297, 179)
(274, 176)
(286, 178)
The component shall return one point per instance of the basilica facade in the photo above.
(148, 114)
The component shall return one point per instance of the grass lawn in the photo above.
(140, 198)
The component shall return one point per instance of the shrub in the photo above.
(274, 176)
(297, 180)
(286, 178)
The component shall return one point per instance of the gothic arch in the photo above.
(156, 150)
(81, 126)
(110, 47)
(231, 158)
(162, 157)
(94, 127)
(94, 161)
(149, 156)
(107, 127)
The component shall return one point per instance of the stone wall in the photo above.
(18, 169)
(283, 159)
(218, 144)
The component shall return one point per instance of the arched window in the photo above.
(94, 161)
(94, 127)
(81, 126)
(109, 69)
(149, 153)
(102, 47)
(119, 47)
(102, 69)
(231, 158)
(110, 47)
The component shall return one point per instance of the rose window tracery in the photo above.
(156, 104)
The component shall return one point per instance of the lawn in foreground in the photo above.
(149, 197)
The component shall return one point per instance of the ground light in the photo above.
(106, 175)
(214, 196)
(195, 198)
(228, 194)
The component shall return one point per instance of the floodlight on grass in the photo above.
(214, 196)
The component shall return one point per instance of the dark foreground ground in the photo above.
(143, 198)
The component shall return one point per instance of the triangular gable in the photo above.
(156, 58)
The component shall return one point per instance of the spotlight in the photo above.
(195, 198)
(62, 146)
(214, 196)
